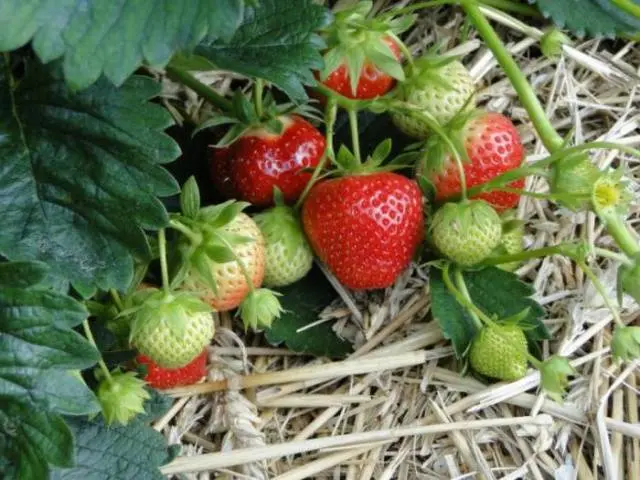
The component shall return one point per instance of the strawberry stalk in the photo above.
(461, 294)
(115, 296)
(329, 121)
(257, 96)
(355, 134)
(213, 97)
(551, 139)
(103, 366)
(601, 290)
(164, 269)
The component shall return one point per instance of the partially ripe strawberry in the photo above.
(493, 146)
(162, 378)
(170, 328)
(467, 232)
(260, 160)
(440, 89)
(231, 285)
(288, 254)
(500, 352)
(365, 227)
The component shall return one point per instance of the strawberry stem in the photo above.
(534, 361)
(461, 294)
(115, 296)
(528, 255)
(329, 120)
(164, 270)
(542, 196)
(355, 134)
(257, 97)
(209, 94)
(629, 7)
(618, 257)
(551, 139)
(511, 6)
(186, 231)
(405, 51)
(103, 366)
(601, 290)
(617, 228)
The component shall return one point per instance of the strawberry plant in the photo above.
(114, 275)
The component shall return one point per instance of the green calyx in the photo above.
(121, 396)
(466, 232)
(347, 163)
(260, 308)
(625, 345)
(288, 254)
(555, 373)
(355, 38)
(552, 42)
(573, 179)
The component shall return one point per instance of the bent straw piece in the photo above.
(213, 461)
(326, 370)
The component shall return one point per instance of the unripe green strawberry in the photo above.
(511, 243)
(288, 254)
(574, 178)
(121, 397)
(466, 232)
(499, 351)
(170, 328)
(442, 90)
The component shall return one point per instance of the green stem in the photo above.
(624, 238)
(186, 231)
(603, 293)
(116, 298)
(570, 151)
(329, 121)
(535, 362)
(395, 12)
(618, 257)
(477, 314)
(510, 6)
(200, 88)
(504, 179)
(527, 255)
(462, 287)
(405, 51)
(630, 8)
(548, 134)
(257, 96)
(355, 134)
(92, 341)
(542, 196)
(164, 270)
(343, 102)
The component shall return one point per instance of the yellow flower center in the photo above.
(607, 195)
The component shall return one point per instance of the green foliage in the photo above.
(590, 17)
(110, 37)
(302, 302)
(276, 42)
(495, 292)
(38, 353)
(81, 174)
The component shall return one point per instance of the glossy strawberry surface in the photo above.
(258, 161)
(493, 147)
(366, 227)
(161, 378)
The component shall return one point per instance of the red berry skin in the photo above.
(258, 161)
(366, 228)
(162, 378)
(493, 147)
(372, 82)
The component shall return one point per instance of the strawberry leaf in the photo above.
(113, 38)
(302, 302)
(495, 292)
(133, 452)
(276, 42)
(39, 350)
(81, 174)
(590, 17)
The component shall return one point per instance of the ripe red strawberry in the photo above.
(365, 227)
(162, 378)
(258, 161)
(493, 147)
(372, 82)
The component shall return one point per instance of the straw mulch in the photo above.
(397, 408)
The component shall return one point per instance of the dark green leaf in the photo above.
(133, 452)
(80, 174)
(302, 302)
(38, 353)
(22, 274)
(276, 42)
(113, 37)
(591, 17)
(495, 292)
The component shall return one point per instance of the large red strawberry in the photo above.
(259, 160)
(365, 227)
(493, 146)
(372, 81)
(162, 378)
